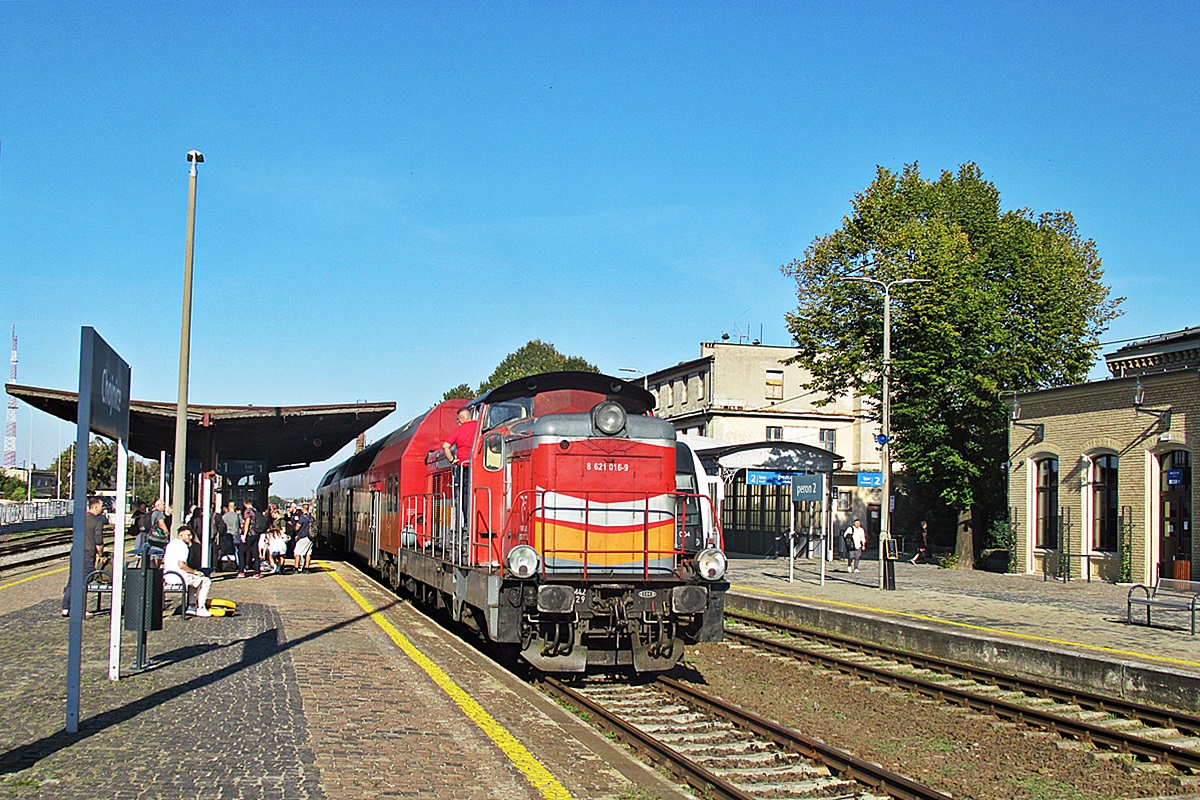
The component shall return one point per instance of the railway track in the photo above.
(1154, 734)
(28, 550)
(723, 751)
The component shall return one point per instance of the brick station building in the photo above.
(1100, 474)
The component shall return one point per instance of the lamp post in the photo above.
(179, 481)
(645, 377)
(885, 435)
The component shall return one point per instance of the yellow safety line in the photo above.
(33, 577)
(984, 628)
(534, 770)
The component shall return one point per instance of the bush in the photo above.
(1004, 537)
(948, 561)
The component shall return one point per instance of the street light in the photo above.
(645, 378)
(885, 436)
(179, 480)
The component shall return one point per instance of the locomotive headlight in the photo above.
(523, 561)
(710, 564)
(608, 418)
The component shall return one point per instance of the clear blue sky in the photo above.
(397, 195)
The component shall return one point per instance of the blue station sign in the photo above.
(870, 479)
(762, 477)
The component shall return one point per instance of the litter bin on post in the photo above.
(143, 605)
(890, 555)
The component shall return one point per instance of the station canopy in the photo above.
(279, 437)
(774, 455)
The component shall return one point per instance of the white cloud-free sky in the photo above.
(398, 194)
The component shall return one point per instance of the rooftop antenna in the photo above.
(10, 422)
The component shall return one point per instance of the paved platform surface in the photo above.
(1060, 619)
(303, 694)
(307, 694)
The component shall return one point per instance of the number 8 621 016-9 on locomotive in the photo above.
(555, 527)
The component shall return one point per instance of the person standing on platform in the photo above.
(137, 528)
(93, 548)
(175, 560)
(303, 546)
(856, 542)
(232, 539)
(254, 524)
(922, 542)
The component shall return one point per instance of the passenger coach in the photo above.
(563, 534)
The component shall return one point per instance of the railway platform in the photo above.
(323, 685)
(1072, 633)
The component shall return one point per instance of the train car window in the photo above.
(493, 452)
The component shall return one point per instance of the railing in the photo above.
(431, 523)
(12, 513)
(649, 533)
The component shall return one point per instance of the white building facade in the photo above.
(746, 393)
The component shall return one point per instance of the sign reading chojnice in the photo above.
(109, 394)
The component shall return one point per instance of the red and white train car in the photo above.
(565, 535)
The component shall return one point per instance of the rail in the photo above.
(1067, 725)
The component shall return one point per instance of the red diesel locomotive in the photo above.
(562, 533)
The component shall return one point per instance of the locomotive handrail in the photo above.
(491, 529)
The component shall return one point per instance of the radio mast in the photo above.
(10, 422)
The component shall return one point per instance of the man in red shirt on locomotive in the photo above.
(461, 439)
(458, 452)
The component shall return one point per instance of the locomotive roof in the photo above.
(633, 398)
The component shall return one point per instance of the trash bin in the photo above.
(143, 599)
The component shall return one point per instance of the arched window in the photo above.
(1105, 509)
(1047, 504)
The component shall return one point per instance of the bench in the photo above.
(176, 584)
(99, 583)
(1171, 594)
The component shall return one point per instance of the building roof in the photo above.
(1167, 351)
(774, 455)
(283, 437)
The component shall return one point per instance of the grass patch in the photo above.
(1042, 789)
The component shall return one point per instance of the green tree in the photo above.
(462, 391)
(533, 357)
(142, 480)
(12, 488)
(1015, 302)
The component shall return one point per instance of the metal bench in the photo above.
(1171, 594)
(99, 583)
(177, 585)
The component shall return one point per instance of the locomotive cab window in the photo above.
(501, 413)
(493, 452)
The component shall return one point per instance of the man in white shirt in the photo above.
(175, 560)
(856, 541)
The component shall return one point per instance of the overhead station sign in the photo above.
(762, 477)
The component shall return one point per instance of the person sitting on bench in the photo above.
(175, 560)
